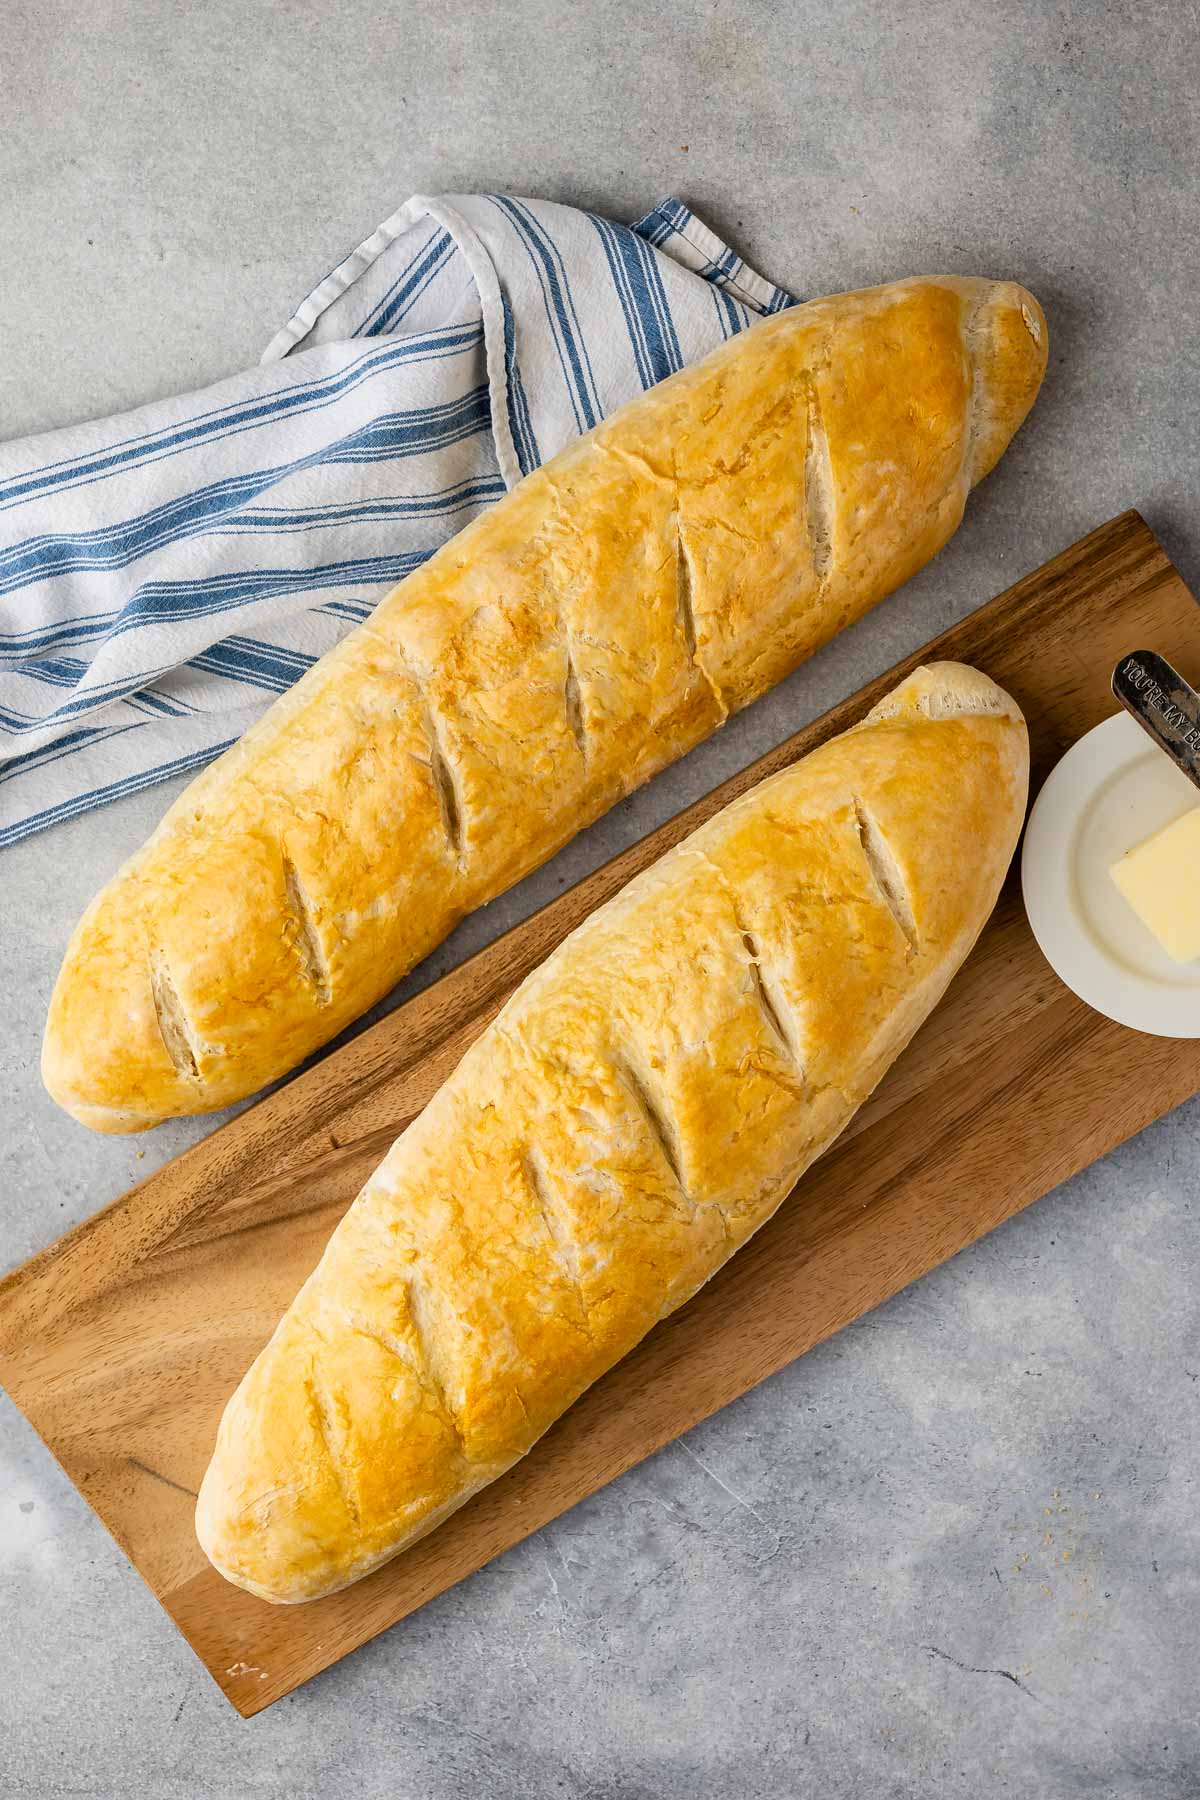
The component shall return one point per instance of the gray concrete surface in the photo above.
(955, 1551)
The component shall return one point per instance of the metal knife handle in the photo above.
(1165, 706)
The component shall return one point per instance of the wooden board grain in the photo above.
(122, 1341)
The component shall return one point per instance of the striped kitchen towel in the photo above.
(166, 573)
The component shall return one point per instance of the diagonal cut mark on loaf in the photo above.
(323, 1420)
(416, 1366)
(659, 1122)
(430, 1367)
(573, 701)
(685, 608)
(771, 1005)
(441, 771)
(556, 1221)
(960, 704)
(179, 1041)
(970, 696)
(683, 595)
(779, 1014)
(299, 908)
(818, 486)
(444, 787)
(886, 873)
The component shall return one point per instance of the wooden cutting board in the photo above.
(122, 1342)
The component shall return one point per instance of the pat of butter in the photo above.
(1160, 878)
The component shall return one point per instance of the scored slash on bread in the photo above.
(594, 625)
(640, 1106)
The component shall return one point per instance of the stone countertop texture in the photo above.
(953, 1552)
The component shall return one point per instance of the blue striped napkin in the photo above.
(166, 573)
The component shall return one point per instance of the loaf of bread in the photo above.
(597, 623)
(641, 1105)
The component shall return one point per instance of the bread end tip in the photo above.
(943, 690)
(1008, 340)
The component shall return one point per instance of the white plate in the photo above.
(1110, 791)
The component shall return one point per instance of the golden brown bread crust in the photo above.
(640, 1106)
(597, 623)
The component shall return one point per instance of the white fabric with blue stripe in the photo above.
(165, 573)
